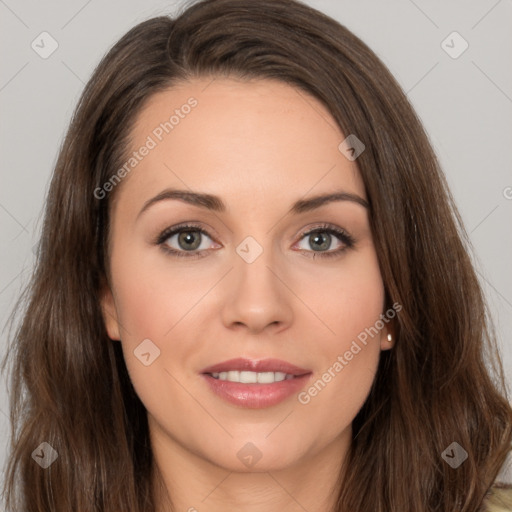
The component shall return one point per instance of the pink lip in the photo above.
(264, 365)
(256, 396)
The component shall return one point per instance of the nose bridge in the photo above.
(258, 297)
(254, 264)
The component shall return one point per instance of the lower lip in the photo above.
(256, 396)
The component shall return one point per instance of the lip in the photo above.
(263, 365)
(256, 396)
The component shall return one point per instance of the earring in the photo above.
(390, 338)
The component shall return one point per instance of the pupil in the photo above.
(316, 238)
(186, 237)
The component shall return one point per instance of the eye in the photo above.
(187, 240)
(322, 238)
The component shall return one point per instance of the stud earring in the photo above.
(390, 338)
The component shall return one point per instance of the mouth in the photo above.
(261, 366)
(255, 384)
(248, 377)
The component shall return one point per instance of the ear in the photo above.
(109, 313)
(387, 337)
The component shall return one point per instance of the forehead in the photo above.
(251, 139)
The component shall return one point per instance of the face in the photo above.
(289, 288)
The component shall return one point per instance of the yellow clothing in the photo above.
(499, 499)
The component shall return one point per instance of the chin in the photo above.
(257, 454)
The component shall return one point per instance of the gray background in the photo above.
(465, 104)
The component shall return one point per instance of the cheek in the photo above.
(332, 401)
(346, 298)
(351, 305)
(151, 295)
(155, 301)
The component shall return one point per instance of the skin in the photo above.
(259, 146)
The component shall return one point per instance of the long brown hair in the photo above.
(441, 383)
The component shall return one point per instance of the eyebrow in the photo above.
(215, 203)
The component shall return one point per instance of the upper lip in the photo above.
(262, 365)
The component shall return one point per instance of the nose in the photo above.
(258, 297)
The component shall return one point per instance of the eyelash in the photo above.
(341, 234)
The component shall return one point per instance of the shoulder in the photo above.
(499, 498)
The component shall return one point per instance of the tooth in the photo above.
(248, 377)
(234, 376)
(265, 377)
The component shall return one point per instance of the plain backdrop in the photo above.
(463, 98)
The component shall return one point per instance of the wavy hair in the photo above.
(441, 383)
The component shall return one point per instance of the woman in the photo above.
(320, 347)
